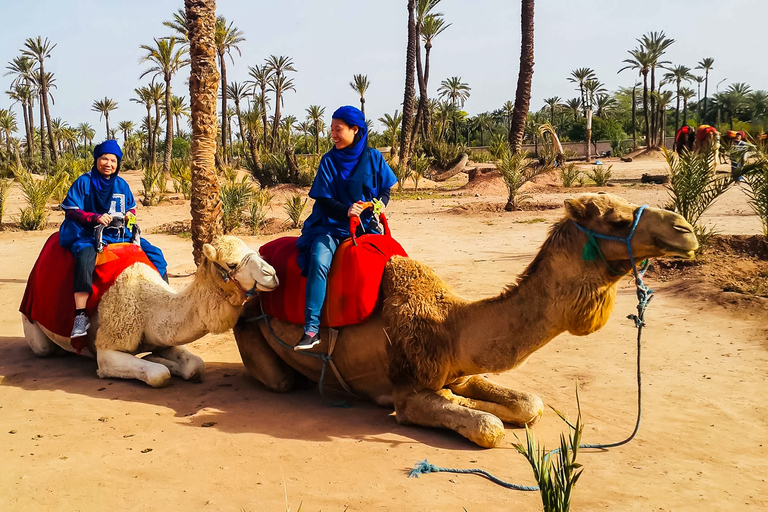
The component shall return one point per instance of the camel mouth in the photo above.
(685, 249)
(268, 287)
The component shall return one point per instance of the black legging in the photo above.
(85, 263)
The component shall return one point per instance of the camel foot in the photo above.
(180, 362)
(127, 366)
(40, 344)
(476, 392)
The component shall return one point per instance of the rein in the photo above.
(644, 296)
(229, 275)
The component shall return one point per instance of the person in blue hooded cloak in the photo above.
(350, 174)
(94, 199)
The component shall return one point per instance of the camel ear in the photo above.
(581, 210)
(209, 252)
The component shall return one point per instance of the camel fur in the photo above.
(141, 313)
(426, 352)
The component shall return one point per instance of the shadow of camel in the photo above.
(228, 400)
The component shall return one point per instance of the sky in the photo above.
(98, 52)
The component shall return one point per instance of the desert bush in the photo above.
(569, 174)
(693, 185)
(308, 170)
(556, 478)
(600, 174)
(402, 172)
(149, 181)
(756, 177)
(275, 168)
(498, 146)
(5, 190)
(257, 209)
(516, 170)
(421, 166)
(36, 192)
(235, 196)
(294, 207)
(181, 174)
(482, 157)
(443, 155)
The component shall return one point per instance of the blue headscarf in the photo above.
(344, 160)
(102, 186)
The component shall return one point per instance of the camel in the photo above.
(425, 351)
(707, 140)
(142, 313)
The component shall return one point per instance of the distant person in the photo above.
(737, 157)
(349, 174)
(92, 200)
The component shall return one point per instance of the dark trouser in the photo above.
(85, 263)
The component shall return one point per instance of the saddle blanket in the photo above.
(49, 299)
(353, 281)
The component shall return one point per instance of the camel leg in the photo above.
(126, 366)
(262, 363)
(180, 361)
(40, 344)
(432, 409)
(516, 407)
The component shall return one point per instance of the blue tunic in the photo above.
(369, 178)
(74, 236)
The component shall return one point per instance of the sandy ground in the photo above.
(71, 441)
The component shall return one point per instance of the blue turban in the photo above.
(344, 160)
(102, 186)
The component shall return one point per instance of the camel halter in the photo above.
(644, 296)
(227, 275)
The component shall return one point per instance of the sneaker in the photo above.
(307, 342)
(81, 326)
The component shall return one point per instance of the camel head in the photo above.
(235, 262)
(658, 232)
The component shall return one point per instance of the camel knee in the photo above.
(127, 366)
(181, 362)
(40, 344)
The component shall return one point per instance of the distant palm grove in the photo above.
(660, 96)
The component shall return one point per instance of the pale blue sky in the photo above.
(97, 52)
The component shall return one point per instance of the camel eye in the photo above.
(621, 223)
(232, 266)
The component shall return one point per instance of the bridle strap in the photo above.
(227, 275)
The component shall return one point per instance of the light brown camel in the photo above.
(425, 351)
(707, 140)
(141, 313)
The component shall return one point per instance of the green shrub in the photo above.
(516, 170)
(235, 196)
(5, 190)
(181, 174)
(149, 181)
(443, 155)
(481, 157)
(257, 209)
(498, 147)
(402, 172)
(569, 174)
(421, 166)
(36, 192)
(756, 177)
(600, 174)
(294, 207)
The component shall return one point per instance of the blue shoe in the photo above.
(81, 326)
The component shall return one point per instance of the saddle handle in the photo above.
(354, 222)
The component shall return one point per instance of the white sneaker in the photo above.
(81, 326)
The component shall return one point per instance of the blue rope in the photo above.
(325, 358)
(644, 296)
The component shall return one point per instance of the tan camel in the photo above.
(707, 140)
(425, 351)
(141, 313)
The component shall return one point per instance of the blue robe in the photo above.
(369, 178)
(74, 236)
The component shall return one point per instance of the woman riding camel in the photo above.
(94, 199)
(349, 175)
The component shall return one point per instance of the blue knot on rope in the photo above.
(424, 466)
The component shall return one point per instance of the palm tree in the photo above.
(179, 24)
(734, 100)
(126, 127)
(699, 80)
(641, 61)
(104, 107)
(178, 109)
(524, 77)
(315, 116)
(40, 49)
(423, 8)
(23, 94)
(87, 132)
(278, 83)
(360, 84)
(286, 126)
(7, 126)
(679, 74)
(432, 26)
(144, 96)
(238, 92)
(408, 94)
(261, 78)
(227, 39)
(23, 91)
(457, 92)
(686, 93)
(580, 76)
(655, 44)
(574, 105)
(605, 105)
(166, 60)
(483, 121)
(707, 65)
(758, 104)
(552, 103)
(205, 202)
(392, 124)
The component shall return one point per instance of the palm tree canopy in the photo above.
(455, 90)
(228, 37)
(166, 57)
(360, 84)
(179, 24)
(104, 107)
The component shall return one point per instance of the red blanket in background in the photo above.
(353, 280)
(49, 299)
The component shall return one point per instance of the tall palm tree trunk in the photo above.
(168, 126)
(27, 131)
(276, 122)
(645, 111)
(205, 202)
(410, 64)
(524, 77)
(240, 121)
(677, 116)
(106, 121)
(654, 123)
(422, 95)
(155, 130)
(43, 145)
(634, 117)
(31, 139)
(44, 95)
(423, 99)
(706, 84)
(224, 121)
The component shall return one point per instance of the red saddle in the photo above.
(49, 299)
(703, 131)
(353, 281)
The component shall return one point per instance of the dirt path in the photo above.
(71, 441)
